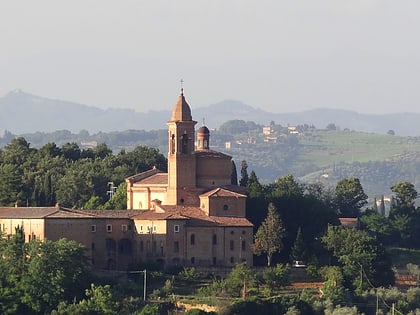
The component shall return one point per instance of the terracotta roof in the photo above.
(137, 177)
(203, 130)
(198, 217)
(181, 110)
(27, 212)
(54, 212)
(157, 179)
(222, 192)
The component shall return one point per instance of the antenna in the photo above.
(111, 190)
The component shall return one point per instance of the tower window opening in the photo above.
(184, 143)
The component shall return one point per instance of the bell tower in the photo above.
(181, 153)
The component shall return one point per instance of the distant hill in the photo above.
(25, 113)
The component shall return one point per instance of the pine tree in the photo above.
(298, 249)
(234, 174)
(269, 236)
(244, 174)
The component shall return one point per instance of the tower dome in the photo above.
(203, 138)
(181, 110)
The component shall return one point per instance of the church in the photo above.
(201, 213)
(190, 216)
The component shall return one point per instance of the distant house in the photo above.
(292, 130)
(267, 130)
(350, 222)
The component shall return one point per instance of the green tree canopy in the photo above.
(405, 198)
(360, 255)
(349, 197)
(268, 239)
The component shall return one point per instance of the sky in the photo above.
(276, 55)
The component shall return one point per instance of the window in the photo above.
(232, 260)
(141, 228)
(225, 207)
(176, 228)
(185, 143)
(124, 227)
(154, 228)
(192, 260)
(192, 239)
(109, 228)
(214, 239)
(214, 260)
(93, 228)
(172, 150)
(232, 232)
(243, 245)
(232, 245)
(176, 247)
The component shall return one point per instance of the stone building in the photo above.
(190, 216)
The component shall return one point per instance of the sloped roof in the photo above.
(194, 216)
(27, 212)
(222, 192)
(160, 179)
(142, 175)
(181, 110)
(58, 212)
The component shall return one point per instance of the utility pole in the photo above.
(144, 281)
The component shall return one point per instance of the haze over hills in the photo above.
(25, 113)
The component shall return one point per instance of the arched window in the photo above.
(185, 143)
(172, 145)
(225, 207)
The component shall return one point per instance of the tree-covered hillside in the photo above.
(310, 154)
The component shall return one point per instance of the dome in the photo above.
(203, 130)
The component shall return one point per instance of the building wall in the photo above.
(213, 171)
(32, 228)
(224, 206)
(109, 242)
(142, 197)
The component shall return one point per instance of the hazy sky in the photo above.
(281, 56)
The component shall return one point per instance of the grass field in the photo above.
(325, 148)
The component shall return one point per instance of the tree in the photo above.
(255, 189)
(286, 186)
(234, 174)
(405, 197)
(349, 197)
(360, 255)
(240, 279)
(268, 239)
(244, 174)
(56, 272)
(298, 248)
